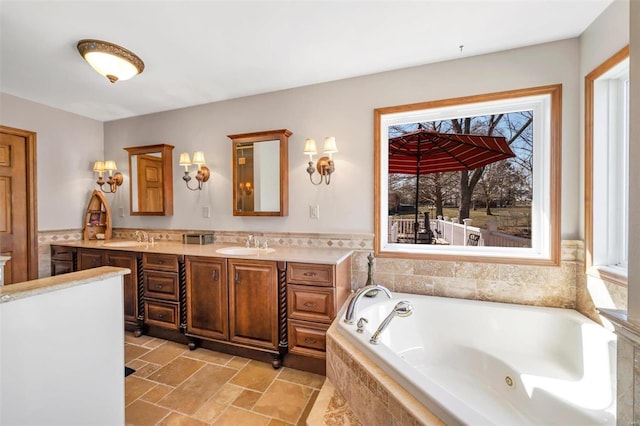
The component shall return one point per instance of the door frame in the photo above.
(32, 197)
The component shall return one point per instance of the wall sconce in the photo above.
(203, 171)
(114, 180)
(110, 60)
(324, 165)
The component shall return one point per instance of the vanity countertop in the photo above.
(286, 254)
(31, 288)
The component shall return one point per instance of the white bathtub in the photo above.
(480, 363)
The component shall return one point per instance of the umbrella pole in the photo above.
(415, 222)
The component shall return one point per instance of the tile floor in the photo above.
(175, 386)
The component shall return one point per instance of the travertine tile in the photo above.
(165, 353)
(177, 371)
(177, 419)
(141, 413)
(227, 394)
(284, 400)
(237, 417)
(135, 387)
(301, 377)
(255, 375)
(157, 393)
(132, 352)
(247, 399)
(210, 411)
(195, 391)
(147, 369)
(209, 356)
(302, 421)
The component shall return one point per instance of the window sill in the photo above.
(610, 274)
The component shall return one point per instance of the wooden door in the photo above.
(18, 211)
(150, 183)
(253, 303)
(88, 258)
(207, 298)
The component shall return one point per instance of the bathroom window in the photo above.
(506, 210)
(607, 174)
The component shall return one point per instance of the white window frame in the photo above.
(610, 174)
(545, 102)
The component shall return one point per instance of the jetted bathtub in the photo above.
(481, 363)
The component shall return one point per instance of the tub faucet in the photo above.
(353, 303)
(402, 309)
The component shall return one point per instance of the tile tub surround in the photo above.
(373, 396)
(564, 286)
(627, 366)
(173, 385)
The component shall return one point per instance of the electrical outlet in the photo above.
(206, 212)
(121, 211)
(314, 211)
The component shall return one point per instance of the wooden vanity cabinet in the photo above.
(237, 302)
(63, 259)
(132, 285)
(315, 292)
(162, 291)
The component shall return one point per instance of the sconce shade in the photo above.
(198, 157)
(184, 159)
(330, 146)
(310, 147)
(98, 166)
(110, 60)
(110, 165)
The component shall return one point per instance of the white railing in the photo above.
(448, 231)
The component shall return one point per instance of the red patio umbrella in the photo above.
(426, 151)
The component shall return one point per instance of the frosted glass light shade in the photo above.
(110, 60)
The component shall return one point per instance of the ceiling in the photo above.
(198, 52)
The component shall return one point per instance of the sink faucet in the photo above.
(402, 309)
(249, 240)
(353, 303)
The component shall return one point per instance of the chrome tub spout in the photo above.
(353, 303)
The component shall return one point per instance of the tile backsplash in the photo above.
(561, 286)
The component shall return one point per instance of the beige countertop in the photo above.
(286, 254)
(31, 288)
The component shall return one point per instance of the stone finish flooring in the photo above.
(175, 386)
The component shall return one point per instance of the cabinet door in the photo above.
(130, 282)
(253, 303)
(88, 259)
(59, 267)
(207, 298)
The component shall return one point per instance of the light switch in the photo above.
(206, 212)
(314, 211)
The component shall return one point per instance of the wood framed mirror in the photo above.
(151, 177)
(261, 173)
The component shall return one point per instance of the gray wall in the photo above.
(343, 109)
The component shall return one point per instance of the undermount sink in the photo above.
(121, 244)
(240, 251)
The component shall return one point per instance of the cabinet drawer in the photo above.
(311, 303)
(62, 253)
(160, 262)
(59, 267)
(307, 338)
(161, 285)
(161, 314)
(310, 273)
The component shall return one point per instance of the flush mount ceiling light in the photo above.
(110, 60)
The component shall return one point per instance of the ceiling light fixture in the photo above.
(110, 60)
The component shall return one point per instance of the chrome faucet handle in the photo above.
(249, 239)
(265, 245)
(362, 322)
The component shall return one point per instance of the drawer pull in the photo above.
(309, 274)
(237, 277)
(161, 262)
(214, 276)
(159, 286)
(309, 340)
(310, 304)
(159, 316)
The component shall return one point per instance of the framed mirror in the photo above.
(261, 173)
(151, 177)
